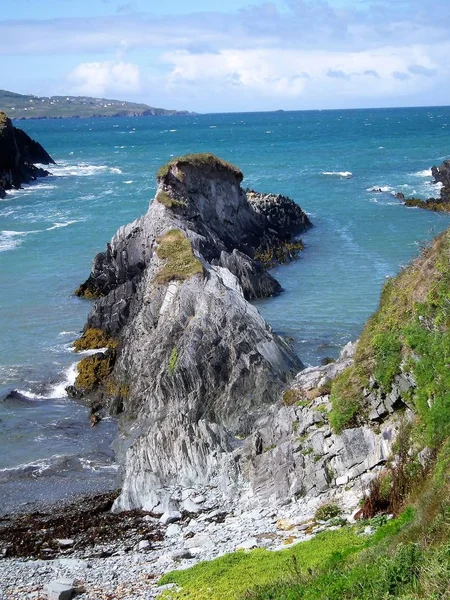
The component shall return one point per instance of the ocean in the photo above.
(329, 162)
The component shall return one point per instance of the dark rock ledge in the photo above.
(18, 155)
(441, 175)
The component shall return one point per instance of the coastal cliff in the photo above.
(18, 155)
(215, 405)
(190, 363)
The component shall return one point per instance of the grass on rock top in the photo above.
(204, 159)
(176, 250)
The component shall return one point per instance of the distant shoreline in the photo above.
(60, 117)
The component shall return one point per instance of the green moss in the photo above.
(201, 160)
(269, 448)
(94, 339)
(3, 119)
(169, 202)
(327, 511)
(292, 396)
(115, 389)
(88, 291)
(93, 370)
(181, 263)
(173, 359)
(284, 252)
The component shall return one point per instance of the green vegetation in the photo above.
(200, 160)
(114, 389)
(3, 119)
(410, 326)
(173, 361)
(168, 201)
(407, 557)
(285, 252)
(94, 339)
(176, 250)
(292, 396)
(231, 576)
(24, 106)
(93, 370)
(88, 291)
(327, 511)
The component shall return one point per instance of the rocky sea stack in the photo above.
(441, 176)
(189, 362)
(18, 156)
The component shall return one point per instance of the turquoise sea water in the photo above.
(327, 161)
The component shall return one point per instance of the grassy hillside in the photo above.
(407, 557)
(19, 106)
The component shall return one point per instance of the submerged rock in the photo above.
(18, 155)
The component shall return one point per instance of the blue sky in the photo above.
(230, 56)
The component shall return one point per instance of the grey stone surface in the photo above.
(59, 590)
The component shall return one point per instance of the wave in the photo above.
(64, 224)
(379, 188)
(13, 239)
(423, 173)
(56, 464)
(65, 169)
(346, 174)
(58, 390)
(52, 391)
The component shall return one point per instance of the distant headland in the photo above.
(23, 106)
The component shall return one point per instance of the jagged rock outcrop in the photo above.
(18, 153)
(294, 452)
(441, 175)
(196, 364)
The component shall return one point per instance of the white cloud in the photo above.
(291, 75)
(107, 77)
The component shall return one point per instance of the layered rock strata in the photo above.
(18, 155)
(195, 365)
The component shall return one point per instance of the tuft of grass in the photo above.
(327, 511)
(94, 339)
(176, 250)
(173, 359)
(292, 396)
(200, 160)
(169, 202)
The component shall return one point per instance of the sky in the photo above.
(230, 56)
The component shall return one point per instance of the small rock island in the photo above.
(18, 157)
